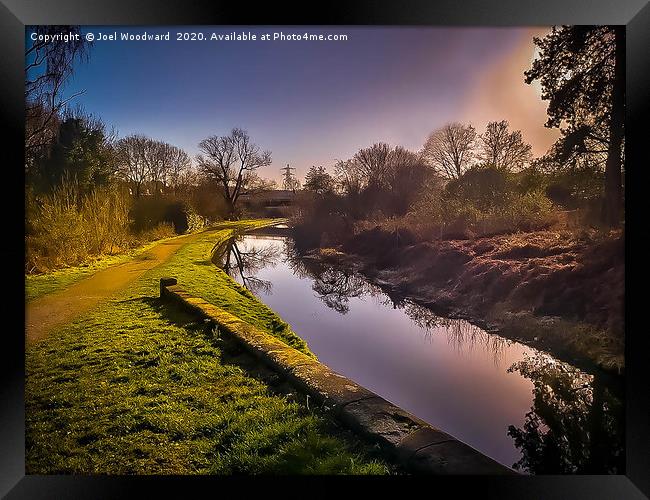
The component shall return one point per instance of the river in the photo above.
(520, 406)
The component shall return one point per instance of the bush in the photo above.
(65, 228)
(206, 202)
(484, 201)
(176, 213)
(195, 222)
(149, 212)
(162, 230)
(576, 187)
(482, 187)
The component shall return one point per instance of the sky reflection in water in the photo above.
(513, 403)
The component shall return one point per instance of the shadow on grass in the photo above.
(232, 353)
(174, 314)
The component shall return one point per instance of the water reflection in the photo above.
(461, 334)
(243, 262)
(546, 416)
(575, 423)
(335, 286)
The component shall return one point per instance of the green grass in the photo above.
(195, 272)
(37, 285)
(138, 387)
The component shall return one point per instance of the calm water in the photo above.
(519, 406)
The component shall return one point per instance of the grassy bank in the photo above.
(135, 387)
(38, 285)
(557, 290)
(196, 273)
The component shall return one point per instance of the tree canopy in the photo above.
(450, 149)
(582, 74)
(49, 64)
(318, 181)
(231, 161)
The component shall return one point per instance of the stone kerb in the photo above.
(414, 443)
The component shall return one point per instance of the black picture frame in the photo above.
(16, 14)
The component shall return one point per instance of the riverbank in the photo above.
(555, 290)
(135, 387)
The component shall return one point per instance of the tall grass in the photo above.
(67, 227)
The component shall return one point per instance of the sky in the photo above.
(312, 102)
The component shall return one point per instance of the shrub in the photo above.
(149, 212)
(576, 187)
(483, 187)
(470, 207)
(195, 222)
(106, 213)
(65, 228)
(162, 230)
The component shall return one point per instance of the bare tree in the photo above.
(373, 163)
(165, 163)
(231, 161)
(406, 175)
(49, 64)
(502, 148)
(257, 184)
(450, 149)
(153, 155)
(400, 157)
(177, 164)
(131, 159)
(188, 181)
(348, 176)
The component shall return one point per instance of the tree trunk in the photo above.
(613, 186)
(231, 208)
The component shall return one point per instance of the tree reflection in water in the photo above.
(335, 286)
(461, 334)
(243, 263)
(575, 423)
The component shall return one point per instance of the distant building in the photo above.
(268, 198)
(268, 203)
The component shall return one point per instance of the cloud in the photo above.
(500, 93)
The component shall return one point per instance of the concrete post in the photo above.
(164, 283)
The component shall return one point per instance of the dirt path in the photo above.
(47, 312)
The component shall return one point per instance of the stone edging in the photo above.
(418, 446)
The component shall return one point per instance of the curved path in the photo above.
(52, 310)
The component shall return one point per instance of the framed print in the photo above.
(309, 244)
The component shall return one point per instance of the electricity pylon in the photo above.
(290, 183)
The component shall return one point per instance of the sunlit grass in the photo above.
(37, 285)
(137, 387)
(195, 272)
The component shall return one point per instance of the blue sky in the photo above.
(310, 102)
